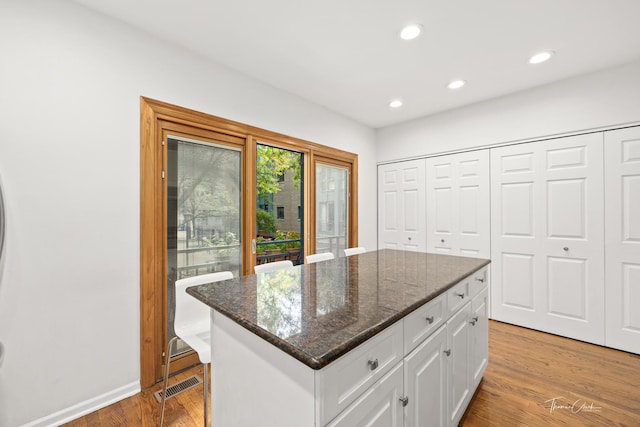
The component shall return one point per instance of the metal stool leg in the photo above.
(167, 360)
(206, 395)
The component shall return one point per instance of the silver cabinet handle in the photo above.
(429, 319)
(461, 295)
(474, 320)
(447, 352)
(566, 249)
(409, 238)
(404, 400)
(441, 240)
(480, 279)
(373, 364)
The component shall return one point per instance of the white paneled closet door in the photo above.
(547, 231)
(401, 198)
(458, 204)
(622, 251)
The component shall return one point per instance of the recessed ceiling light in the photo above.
(540, 57)
(456, 84)
(410, 32)
(396, 103)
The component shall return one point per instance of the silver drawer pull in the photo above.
(404, 400)
(373, 364)
(447, 352)
(474, 320)
(430, 319)
(480, 279)
(566, 249)
(461, 295)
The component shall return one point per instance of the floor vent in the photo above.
(179, 387)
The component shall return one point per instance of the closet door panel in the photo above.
(401, 206)
(515, 259)
(574, 236)
(388, 195)
(458, 204)
(440, 205)
(622, 255)
(412, 206)
(547, 236)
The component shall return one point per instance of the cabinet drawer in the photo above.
(347, 378)
(478, 281)
(379, 405)
(422, 322)
(458, 296)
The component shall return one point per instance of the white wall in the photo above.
(606, 98)
(70, 87)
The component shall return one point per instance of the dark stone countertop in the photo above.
(319, 312)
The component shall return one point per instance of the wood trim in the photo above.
(148, 231)
(352, 167)
(249, 205)
(310, 201)
(156, 117)
(183, 115)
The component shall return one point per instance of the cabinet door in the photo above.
(459, 366)
(458, 204)
(547, 236)
(379, 406)
(622, 228)
(479, 337)
(425, 379)
(401, 199)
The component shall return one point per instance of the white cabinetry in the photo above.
(622, 229)
(459, 361)
(458, 204)
(442, 373)
(479, 336)
(420, 371)
(378, 406)
(401, 199)
(547, 243)
(426, 382)
(446, 347)
(348, 377)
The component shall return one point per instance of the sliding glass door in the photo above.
(203, 214)
(279, 205)
(332, 208)
(205, 207)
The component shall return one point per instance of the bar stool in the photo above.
(354, 251)
(192, 325)
(272, 266)
(325, 256)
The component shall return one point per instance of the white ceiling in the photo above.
(346, 54)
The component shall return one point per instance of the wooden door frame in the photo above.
(154, 117)
(352, 199)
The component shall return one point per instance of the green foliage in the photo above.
(292, 235)
(266, 222)
(273, 162)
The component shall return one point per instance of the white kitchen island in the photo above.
(385, 338)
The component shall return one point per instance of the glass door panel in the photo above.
(203, 214)
(279, 212)
(332, 196)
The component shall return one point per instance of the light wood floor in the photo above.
(591, 385)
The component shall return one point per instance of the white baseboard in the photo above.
(86, 407)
